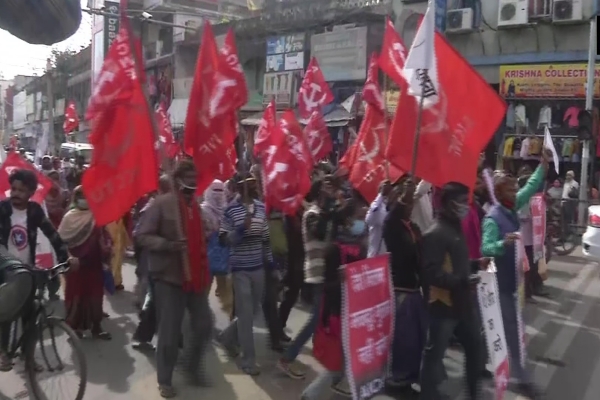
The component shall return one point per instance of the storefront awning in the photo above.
(178, 111)
(338, 116)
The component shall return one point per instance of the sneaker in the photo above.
(251, 370)
(340, 390)
(287, 369)
(143, 346)
(6, 363)
(167, 392)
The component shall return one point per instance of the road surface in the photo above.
(563, 331)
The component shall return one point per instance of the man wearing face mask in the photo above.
(452, 306)
(500, 231)
(403, 238)
(178, 267)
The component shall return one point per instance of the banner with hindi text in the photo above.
(367, 324)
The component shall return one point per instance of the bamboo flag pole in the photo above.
(386, 122)
(168, 168)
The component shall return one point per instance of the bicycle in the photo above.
(35, 320)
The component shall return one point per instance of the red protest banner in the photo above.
(367, 324)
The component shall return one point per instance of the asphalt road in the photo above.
(563, 332)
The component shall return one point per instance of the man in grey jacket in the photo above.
(160, 235)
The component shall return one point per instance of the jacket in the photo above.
(447, 269)
(156, 232)
(498, 222)
(36, 219)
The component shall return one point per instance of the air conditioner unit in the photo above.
(513, 13)
(567, 11)
(460, 20)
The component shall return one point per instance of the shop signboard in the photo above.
(278, 86)
(111, 24)
(275, 63)
(342, 54)
(546, 81)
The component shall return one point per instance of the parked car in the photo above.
(591, 238)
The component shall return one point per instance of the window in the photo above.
(540, 9)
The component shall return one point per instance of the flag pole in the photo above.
(386, 163)
(155, 130)
(413, 165)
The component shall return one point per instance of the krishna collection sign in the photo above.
(546, 81)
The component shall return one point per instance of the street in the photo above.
(563, 335)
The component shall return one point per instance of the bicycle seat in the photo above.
(17, 287)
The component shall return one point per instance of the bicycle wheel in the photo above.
(44, 363)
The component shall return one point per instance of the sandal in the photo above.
(102, 336)
(167, 392)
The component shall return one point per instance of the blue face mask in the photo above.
(358, 228)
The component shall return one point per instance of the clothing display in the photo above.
(571, 116)
(530, 147)
(545, 117)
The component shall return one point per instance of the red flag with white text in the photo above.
(368, 167)
(393, 54)
(462, 115)
(165, 132)
(264, 134)
(229, 91)
(314, 92)
(286, 166)
(317, 137)
(71, 121)
(124, 165)
(207, 138)
(371, 91)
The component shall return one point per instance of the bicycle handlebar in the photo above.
(58, 269)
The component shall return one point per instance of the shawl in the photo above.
(76, 227)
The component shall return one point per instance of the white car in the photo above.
(591, 238)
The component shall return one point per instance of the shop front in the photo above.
(540, 96)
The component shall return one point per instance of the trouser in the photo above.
(438, 338)
(293, 280)
(224, 292)
(321, 383)
(269, 307)
(533, 280)
(410, 331)
(171, 303)
(508, 307)
(248, 292)
(146, 328)
(309, 327)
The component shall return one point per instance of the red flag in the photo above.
(207, 138)
(393, 54)
(286, 167)
(317, 136)
(165, 132)
(229, 91)
(371, 91)
(368, 160)
(14, 162)
(71, 118)
(314, 92)
(124, 165)
(227, 168)
(454, 130)
(264, 137)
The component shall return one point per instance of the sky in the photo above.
(21, 58)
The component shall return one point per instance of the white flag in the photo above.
(548, 144)
(420, 70)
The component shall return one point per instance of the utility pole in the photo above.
(589, 99)
(50, 96)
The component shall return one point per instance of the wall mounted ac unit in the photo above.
(567, 11)
(513, 13)
(459, 20)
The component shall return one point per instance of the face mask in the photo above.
(82, 204)
(462, 210)
(185, 189)
(358, 228)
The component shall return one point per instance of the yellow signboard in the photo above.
(391, 100)
(546, 81)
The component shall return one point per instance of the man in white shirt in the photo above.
(375, 218)
(570, 195)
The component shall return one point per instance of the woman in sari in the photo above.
(84, 289)
(56, 199)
